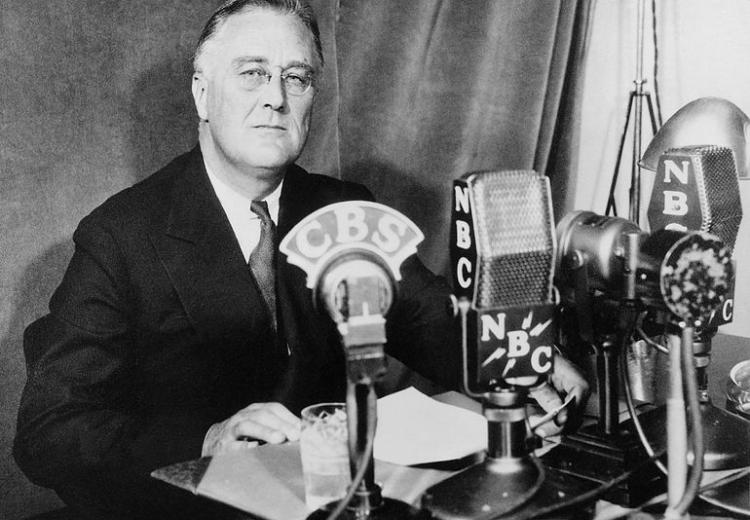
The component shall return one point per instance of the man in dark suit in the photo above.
(160, 346)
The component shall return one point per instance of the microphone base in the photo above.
(598, 458)
(725, 436)
(486, 491)
(388, 509)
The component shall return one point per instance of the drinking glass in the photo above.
(325, 453)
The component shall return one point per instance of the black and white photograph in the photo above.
(374, 259)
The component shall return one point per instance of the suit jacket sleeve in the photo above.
(77, 415)
(420, 329)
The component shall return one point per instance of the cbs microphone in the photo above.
(352, 252)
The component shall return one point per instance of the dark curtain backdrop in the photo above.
(95, 95)
(429, 90)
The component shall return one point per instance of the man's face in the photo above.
(266, 127)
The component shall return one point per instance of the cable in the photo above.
(645, 337)
(589, 495)
(656, 64)
(721, 482)
(728, 479)
(619, 511)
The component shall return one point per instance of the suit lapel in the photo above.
(201, 254)
(205, 264)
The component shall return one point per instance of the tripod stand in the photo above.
(635, 100)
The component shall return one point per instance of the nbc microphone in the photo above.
(503, 254)
(697, 189)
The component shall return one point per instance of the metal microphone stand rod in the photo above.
(677, 448)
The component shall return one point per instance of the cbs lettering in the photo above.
(351, 226)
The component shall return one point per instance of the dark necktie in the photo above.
(263, 258)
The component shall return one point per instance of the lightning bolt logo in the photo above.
(539, 328)
(527, 321)
(498, 354)
(527, 324)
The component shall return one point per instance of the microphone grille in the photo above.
(719, 190)
(696, 276)
(515, 239)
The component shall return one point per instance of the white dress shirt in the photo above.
(245, 223)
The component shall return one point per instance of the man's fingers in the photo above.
(240, 445)
(259, 422)
(270, 422)
(547, 397)
(289, 423)
(547, 429)
(551, 402)
(255, 430)
(568, 379)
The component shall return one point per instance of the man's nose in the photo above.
(273, 94)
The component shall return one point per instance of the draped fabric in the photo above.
(428, 90)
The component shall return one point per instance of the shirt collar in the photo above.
(234, 202)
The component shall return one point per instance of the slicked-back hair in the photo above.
(299, 8)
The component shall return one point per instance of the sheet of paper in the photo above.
(267, 481)
(416, 429)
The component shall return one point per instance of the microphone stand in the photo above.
(681, 490)
(363, 338)
(353, 277)
(604, 450)
(511, 481)
(677, 449)
(509, 477)
(510, 474)
(636, 97)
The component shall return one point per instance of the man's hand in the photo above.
(268, 422)
(568, 381)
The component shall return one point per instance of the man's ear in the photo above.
(199, 88)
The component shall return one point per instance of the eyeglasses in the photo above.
(296, 82)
